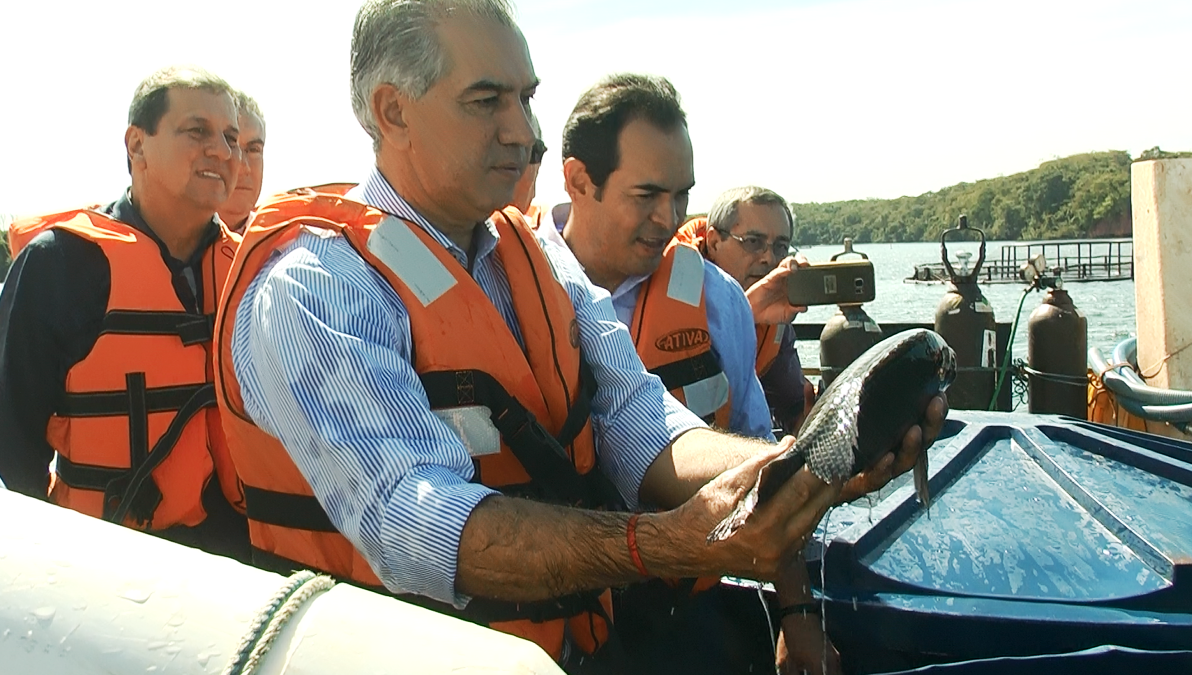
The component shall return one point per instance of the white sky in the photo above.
(821, 100)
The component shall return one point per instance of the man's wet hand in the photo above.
(757, 550)
(916, 441)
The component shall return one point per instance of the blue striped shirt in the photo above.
(321, 350)
(734, 341)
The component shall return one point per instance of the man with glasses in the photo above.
(748, 235)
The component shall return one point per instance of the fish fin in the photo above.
(734, 520)
(921, 487)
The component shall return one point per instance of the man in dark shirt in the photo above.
(183, 159)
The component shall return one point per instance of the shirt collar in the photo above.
(630, 284)
(125, 211)
(379, 194)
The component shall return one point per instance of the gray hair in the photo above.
(723, 214)
(247, 105)
(394, 42)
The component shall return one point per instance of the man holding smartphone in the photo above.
(748, 234)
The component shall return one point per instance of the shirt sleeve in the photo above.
(734, 338)
(633, 416)
(321, 350)
(51, 310)
(783, 383)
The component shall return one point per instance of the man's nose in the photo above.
(668, 213)
(516, 129)
(222, 149)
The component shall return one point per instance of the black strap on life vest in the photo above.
(132, 491)
(192, 329)
(553, 476)
(679, 374)
(544, 453)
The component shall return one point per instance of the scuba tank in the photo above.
(847, 334)
(1057, 345)
(965, 320)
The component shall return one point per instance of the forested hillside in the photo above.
(5, 256)
(1081, 196)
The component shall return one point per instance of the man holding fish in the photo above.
(425, 397)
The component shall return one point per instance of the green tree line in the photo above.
(5, 252)
(1077, 197)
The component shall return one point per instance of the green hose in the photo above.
(1001, 376)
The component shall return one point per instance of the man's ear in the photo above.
(134, 145)
(576, 179)
(389, 107)
(713, 239)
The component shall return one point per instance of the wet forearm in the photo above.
(518, 550)
(692, 460)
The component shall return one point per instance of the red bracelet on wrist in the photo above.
(631, 540)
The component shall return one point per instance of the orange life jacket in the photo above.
(536, 442)
(670, 330)
(769, 337)
(137, 432)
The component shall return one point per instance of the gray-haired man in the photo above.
(385, 352)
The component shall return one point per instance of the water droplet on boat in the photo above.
(136, 595)
(204, 658)
(173, 649)
(176, 620)
(44, 615)
(5, 634)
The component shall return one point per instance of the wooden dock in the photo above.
(1074, 260)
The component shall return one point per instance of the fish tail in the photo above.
(921, 487)
(735, 520)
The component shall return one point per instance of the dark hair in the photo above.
(151, 100)
(595, 125)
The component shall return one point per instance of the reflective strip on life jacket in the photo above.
(670, 331)
(769, 337)
(769, 341)
(537, 400)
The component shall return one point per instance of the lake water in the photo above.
(1108, 305)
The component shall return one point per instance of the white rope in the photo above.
(299, 588)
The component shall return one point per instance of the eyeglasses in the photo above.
(537, 152)
(755, 244)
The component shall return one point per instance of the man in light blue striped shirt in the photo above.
(627, 166)
(322, 352)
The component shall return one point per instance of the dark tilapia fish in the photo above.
(863, 415)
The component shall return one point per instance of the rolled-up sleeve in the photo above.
(321, 350)
(633, 416)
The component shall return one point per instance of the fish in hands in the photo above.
(865, 413)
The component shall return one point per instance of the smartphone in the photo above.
(831, 283)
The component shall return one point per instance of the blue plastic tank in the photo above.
(1046, 535)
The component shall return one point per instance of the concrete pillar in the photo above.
(1162, 200)
(1161, 194)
